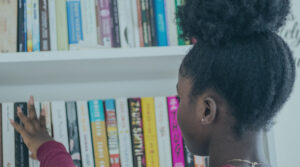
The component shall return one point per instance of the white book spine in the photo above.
(135, 28)
(124, 132)
(85, 134)
(36, 25)
(8, 133)
(59, 117)
(171, 22)
(89, 26)
(37, 106)
(47, 107)
(52, 23)
(126, 24)
(163, 133)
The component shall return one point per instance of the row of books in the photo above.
(43, 25)
(133, 132)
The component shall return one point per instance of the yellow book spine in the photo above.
(62, 25)
(149, 127)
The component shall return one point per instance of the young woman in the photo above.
(231, 84)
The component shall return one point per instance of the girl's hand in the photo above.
(34, 132)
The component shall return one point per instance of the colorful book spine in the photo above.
(74, 22)
(161, 26)
(61, 25)
(163, 132)
(112, 133)
(124, 132)
(21, 151)
(106, 23)
(175, 133)
(140, 22)
(97, 119)
(89, 25)
(73, 133)
(149, 127)
(1, 146)
(47, 107)
(44, 26)
(116, 43)
(21, 26)
(25, 26)
(126, 24)
(9, 133)
(145, 20)
(137, 134)
(181, 40)
(29, 19)
(36, 26)
(199, 161)
(85, 134)
(188, 157)
(52, 25)
(152, 23)
(171, 23)
(59, 117)
(134, 10)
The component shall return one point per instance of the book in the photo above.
(59, 118)
(149, 127)
(32, 162)
(199, 161)
(140, 22)
(105, 18)
(163, 132)
(97, 120)
(181, 40)
(146, 22)
(98, 21)
(74, 22)
(89, 25)
(36, 26)
(9, 132)
(152, 23)
(52, 25)
(29, 24)
(47, 107)
(44, 26)
(8, 26)
(135, 23)
(124, 132)
(73, 133)
(85, 134)
(126, 24)
(112, 133)
(137, 134)
(171, 22)
(175, 133)
(21, 26)
(116, 43)
(188, 157)
(161, 26)
(1, 153)
(61, 25)
(21, 151)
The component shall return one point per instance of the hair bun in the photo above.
(218, 21)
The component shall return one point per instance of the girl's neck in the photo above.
(226, 147)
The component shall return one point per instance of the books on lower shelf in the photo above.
(127, 132)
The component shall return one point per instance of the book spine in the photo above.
(47, 107)
(135, 22)
(161, 27)
(163, 132)
(199, 161)
(85, 134)
(112, 133)
(74, 22)
(152, 23)
(181, 40)
(21, 151)
(59, 117)
(146, 22)
(9, 133)
(175, 133)
(35, 26)
(116, 27)
(89, 25)
(25, 34)
(1, 146)
(73, 133)
(137, 134)
(140, 22)
(37, 106)
(29, 21)
(21, 26)
(149, 127)
(126, 24)
(98, 21)
(61, 24)
(97, 119)
(52, 25)
(44, 26)
(124, 132)
(106, 23)
(171, 23)
(188, 157)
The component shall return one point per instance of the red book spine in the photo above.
(105, 22)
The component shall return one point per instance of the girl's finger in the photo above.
(31, 108)
(43, 118)
(20, 129)
(33, 156)
(22, 117)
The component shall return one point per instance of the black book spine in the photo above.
(73, 132)
(21, 27)
(152, 23)
(116, 43)
(44, 25)
(21, 151)
(188, 157)
(145, 22)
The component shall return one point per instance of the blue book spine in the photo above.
(25, 27)
(161, 25)
(74, 21)
(36, 26)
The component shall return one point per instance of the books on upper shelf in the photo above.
(50, 25)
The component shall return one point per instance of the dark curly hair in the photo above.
(240, 56)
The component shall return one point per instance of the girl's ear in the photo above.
(209, 111)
